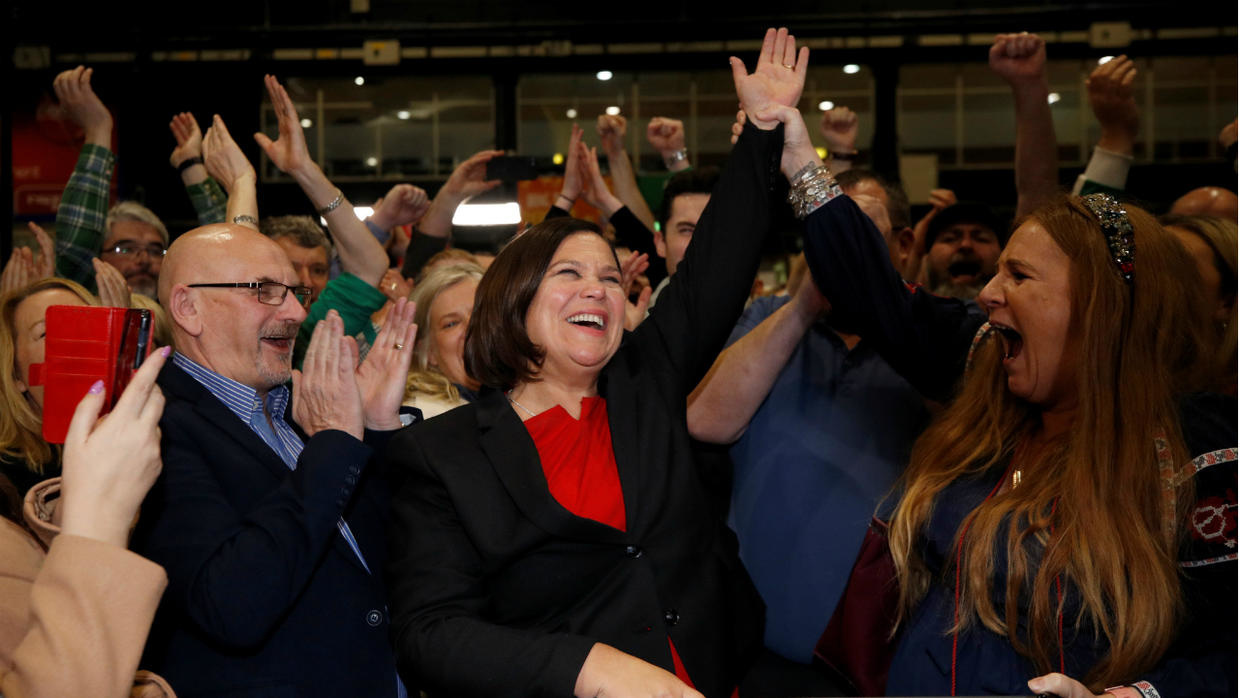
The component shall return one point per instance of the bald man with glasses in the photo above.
(268, 516)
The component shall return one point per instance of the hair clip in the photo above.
(1117, 229)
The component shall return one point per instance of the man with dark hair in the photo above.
(306, 245)
(684, 199)
(962, 250)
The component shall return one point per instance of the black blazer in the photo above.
(499, 590)
(265, 598)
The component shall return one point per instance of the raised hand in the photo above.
(777, 80)
(184, 129)
(1019, 58)
(113, 291)
(839, 128)
(574, 175)
(666, 135)
(111, 463)
(45, 261)
(404, 204)
(288, 152)
(395, 286)
(1227, 136)
(83, 106)
(594, 187)
(611, 130)
(1111, 98)
(223, 157)
(325, 390)
(381, 377)
(18, 271)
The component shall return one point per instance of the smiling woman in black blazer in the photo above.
(531, 557)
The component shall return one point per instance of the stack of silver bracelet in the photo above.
(812, 187)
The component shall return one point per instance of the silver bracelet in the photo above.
(675, 157)
(812, 187)
(243, 218)
(335, 204)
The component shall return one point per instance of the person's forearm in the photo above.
(194, 174)
(624, 181)
(209, 201)
(360, 254)
(437, 222)
(81, 215)
(1037, 156)
(243, 202)
(727, 398)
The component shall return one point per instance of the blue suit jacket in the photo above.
(264, 595)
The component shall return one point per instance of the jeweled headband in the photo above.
(1117, 229)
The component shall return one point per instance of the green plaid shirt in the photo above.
(81, 214)
(210, 202)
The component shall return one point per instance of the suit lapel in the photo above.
(180, 384)
(514, 457)
(622, 409)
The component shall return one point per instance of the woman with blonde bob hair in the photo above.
(1067, 514)
(444, 299)
(25, 457)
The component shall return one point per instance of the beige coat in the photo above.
(73, 619)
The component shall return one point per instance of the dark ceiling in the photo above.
(146, 25)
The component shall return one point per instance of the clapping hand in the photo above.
(113, 289)
(325, 390)
(24, 267)
(288, 152)
(381, 377)
(184, 129)
(223, 157)
(573, 173)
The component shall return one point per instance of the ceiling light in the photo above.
(359, 81)
(603, 75)
(306, 123)
(402, 114)
(826, 105)
(571, 113)
(558, 159)
(852, 68)
(613, 111)
(372, 161)
(487, 214)
(1052, 98)
(1105, 59)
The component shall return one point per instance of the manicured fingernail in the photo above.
(96, 388)
(166, 351)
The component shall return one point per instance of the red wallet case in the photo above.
(83, 345)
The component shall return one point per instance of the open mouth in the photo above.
(589, 320)
(965, 267)
(281, 343)
(1012, 341)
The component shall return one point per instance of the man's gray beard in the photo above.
(147, 288)
(965, 292)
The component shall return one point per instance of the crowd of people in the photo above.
(365, 462)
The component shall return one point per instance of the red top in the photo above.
(578, 461)
(581, 471)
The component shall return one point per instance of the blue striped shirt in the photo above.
(244, 402)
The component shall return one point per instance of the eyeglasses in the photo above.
(269, 292)
(130, 250)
